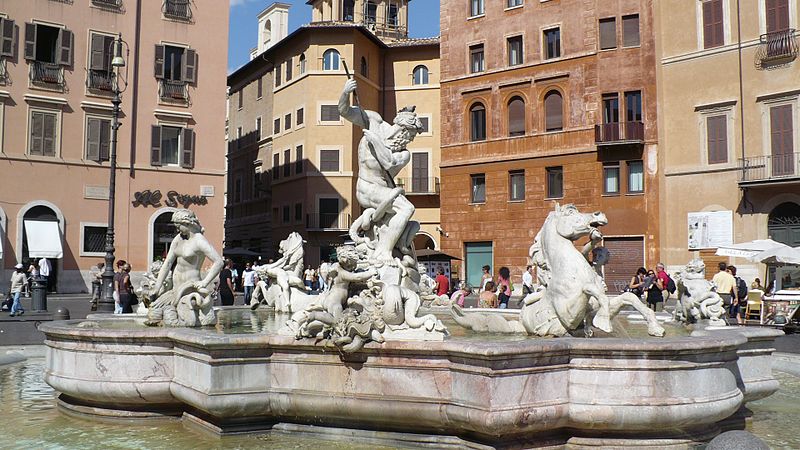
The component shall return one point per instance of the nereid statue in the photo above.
(286, 275)
(183, 297)
(697, 299)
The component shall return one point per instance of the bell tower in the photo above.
(388, 19)
(273, 25)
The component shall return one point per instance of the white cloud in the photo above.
(238, 2)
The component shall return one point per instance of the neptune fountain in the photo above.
(364, 361)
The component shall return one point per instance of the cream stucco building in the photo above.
(728, 88)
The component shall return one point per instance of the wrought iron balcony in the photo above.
(328, 221)
(177, 9)
(770, 169)
(420, 186)
(46, 74)
(100, 80)
(778, 47)
(619, 133)
(108, 3)
(173, 90)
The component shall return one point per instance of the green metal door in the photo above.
(478, 254)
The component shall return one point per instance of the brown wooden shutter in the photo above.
(49, 135)
(8, 45)
(65, 45)
(155, 146)
(259, 90)
(159, 63)
(37, 133)
(713, 25)
(419, 172)
(189, 60)
(781, 131)
(187, 155)
(608, 33)
(97, 52)
(630, 31)
(329, 113)
(777, 15)
(30, 41)
(300, 116)
(276, 164)
(105, 139)
(717, 138)
(516, 117)
(93, 139)
(554, 111)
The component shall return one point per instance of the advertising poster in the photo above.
(710, 229)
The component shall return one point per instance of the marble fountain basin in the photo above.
(460, 392)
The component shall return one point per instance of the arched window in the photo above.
(783, 224)
(553, 111)
(267, 31)
(163, 233)
(420, 75)
(330, 60)
(302, 63)
(516, 116)
(364, 68)
(477, 116)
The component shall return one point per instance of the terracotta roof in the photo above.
(415, 42)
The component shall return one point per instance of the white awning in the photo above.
(749, 249)
(44, 239)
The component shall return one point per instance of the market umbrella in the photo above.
(749, 249)
(239, 251)
(779, 255)
(427, 254)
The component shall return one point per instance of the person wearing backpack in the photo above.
(666, 281)
(740, 293)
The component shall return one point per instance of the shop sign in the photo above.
(174, 199)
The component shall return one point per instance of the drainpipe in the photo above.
(135, 90)
(741, 99)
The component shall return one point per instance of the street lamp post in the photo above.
(106, 303)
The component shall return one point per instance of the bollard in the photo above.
(39, 294)
(61, 314)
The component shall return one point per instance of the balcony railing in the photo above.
(108, 3)
(328, 221)
(177, 9)
(770, 168)
(419, 186)
(778, 47)
(173, 90)
(46, 74)
(619, 133)
(100, 80)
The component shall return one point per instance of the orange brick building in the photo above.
(546, 102)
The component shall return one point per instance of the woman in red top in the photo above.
(442, 283)
(504, 287)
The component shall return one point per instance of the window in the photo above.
(513, 3)
(329, 113)
(298, 212)
(476, 8)
(516, 185)
(239, 132)
(630, 31)
(635, 177)
(298, 164)
(477, 114)
(610, 108)
(555, 182)
(241, 99)
(300, 116)
(777, 15)
(175, 64)
(349, 10)
(259, 90)
(48, 44)
(276, 126)
(329, 160)
(289, 68)
(393, 18)
(420, 75)
(364, 68)
(99, 72)
(172, 146)
(553, 111)
(717, 139)
(419, 172)
(476, 58)
(515, 51)
(43, 133)
(287, 163)
(371, 12)
(276, 165)
(552, 43)
(426, 124)
(98, 138)
(177, 9)
(237, 189)
(278, 75)
(782, 144)
(258, 128)
(328, 213)
(330, 60)
(302, 63)
(611, 178)
(8, 38)
(713, 25)
(478, 188)
(633, 106)
(286, 213)
(94, 239)
(608, 33)
(516, 117)
(287, 122)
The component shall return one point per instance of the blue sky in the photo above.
(423, 21)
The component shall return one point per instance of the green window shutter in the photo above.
(37, 133)
(30, 41)
(159, 64)
(49, 135)
(65, 46)
(155, 147)
(187, 154)
(8, 41)
(105, 139)
(93, 139)
(189, 69)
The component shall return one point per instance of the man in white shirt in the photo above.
(249, 282)
(527, 281)
(44, 271)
